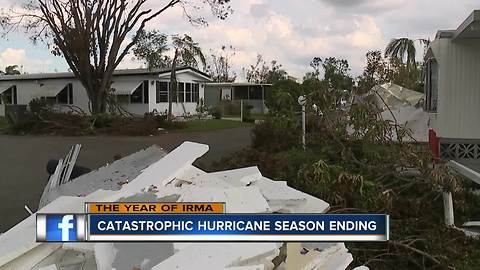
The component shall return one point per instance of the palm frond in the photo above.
(402, 49)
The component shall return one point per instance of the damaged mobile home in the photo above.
(152, 175)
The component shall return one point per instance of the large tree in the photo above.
(404, 50)
(187, 52)
(380, 70)
(377, 71)
(151, 48)
(220, 64)
(94, 35)
(261, 72)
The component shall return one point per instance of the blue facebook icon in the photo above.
(61, 228)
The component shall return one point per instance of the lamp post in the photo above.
(302, 100)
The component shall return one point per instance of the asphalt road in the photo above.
(23, 160)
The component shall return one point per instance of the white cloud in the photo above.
(293, 32)
(13, 56)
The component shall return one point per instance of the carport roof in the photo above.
(239, 84)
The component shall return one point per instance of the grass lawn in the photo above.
(212, 124)
(254, 115)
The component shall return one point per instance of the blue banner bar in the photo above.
(237, 227)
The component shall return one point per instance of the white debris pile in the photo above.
(173, 178)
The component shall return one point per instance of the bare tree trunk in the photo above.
(173, 84)
(97, 93)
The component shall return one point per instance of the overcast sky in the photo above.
(290, 31)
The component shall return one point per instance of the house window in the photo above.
(9, 96)
(140, 95)
(431, 85)
(66, 95)
(162, 92)
(145, 92)
(240, 92)
(255, 93)
(188, 92)
(195, 92)
(181, 92)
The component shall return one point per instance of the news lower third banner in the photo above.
(142, 222)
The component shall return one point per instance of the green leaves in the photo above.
(151, 47)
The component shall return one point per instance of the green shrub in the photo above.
(201, 108)
(216, 112)
(230, 107)
(247, 113)
(276, 134)
(40, 106)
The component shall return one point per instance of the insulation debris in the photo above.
(174, 179)
(334, 256)
(221, 256)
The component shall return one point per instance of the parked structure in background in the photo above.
(251, 93)
(137, 90)
(452, 89)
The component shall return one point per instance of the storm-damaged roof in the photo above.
(151, 175)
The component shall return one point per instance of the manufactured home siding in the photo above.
(458, 113)
(178, 108)
(28, 89)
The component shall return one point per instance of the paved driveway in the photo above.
(23, 160)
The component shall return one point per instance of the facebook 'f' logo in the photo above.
(60, 228)
(66, 226)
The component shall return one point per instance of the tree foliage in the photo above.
(404, 50)
(220, 64)
(93, 36)
(379, 70)
(281, 99)
(355, 164)
(11, 70)
(336, 74)
(261, 72)
(151, 48)
(187, 52)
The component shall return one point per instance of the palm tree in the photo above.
(188, 52)
(404, 50)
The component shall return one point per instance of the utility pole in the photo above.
(302, 100)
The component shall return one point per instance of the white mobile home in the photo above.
(452, 89)
(137, 90)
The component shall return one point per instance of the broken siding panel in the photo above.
(110, 177)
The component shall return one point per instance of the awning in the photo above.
(125, 87)
(50, 88)
(4, 87)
